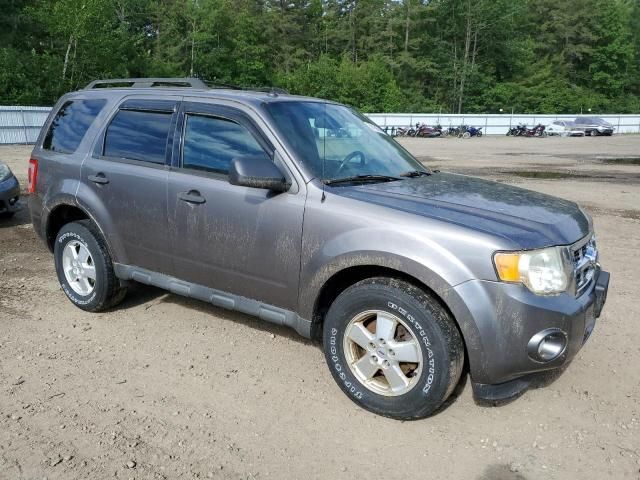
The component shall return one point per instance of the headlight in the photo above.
(544, 272)
(4, 172)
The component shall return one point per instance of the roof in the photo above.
(189, 87)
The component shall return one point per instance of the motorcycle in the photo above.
(518, 131)
(425, 130)
(537, 131)
(443, 131)
(471, 132)
(401, 132)
(455, 131)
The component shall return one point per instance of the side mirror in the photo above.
(257, 171)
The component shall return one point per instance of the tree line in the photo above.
(531, 56)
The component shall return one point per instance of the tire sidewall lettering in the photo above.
(425, 340)
(62, 241)
(350, 386)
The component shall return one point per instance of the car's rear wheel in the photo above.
(392, 348)
(84, 267)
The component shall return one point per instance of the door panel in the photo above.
(126, 177)
(240, 240)
(134, 201)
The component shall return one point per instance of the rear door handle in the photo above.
(192, 196)
(100, 178)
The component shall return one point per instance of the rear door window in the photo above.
(138, 135)
(71, 123)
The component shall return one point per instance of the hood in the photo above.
(530, 219)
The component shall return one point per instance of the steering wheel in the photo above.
(351, 156)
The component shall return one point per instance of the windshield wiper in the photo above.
(362, 179)
(415, 173)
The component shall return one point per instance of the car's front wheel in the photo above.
(84, 267)
(392, 348)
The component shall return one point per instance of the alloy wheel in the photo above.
(383, 353)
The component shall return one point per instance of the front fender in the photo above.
(312, 282)
(409, 252)
(312, 285)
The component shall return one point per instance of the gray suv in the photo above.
(304, 213)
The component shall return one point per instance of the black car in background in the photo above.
(9, 192)
(593, 126)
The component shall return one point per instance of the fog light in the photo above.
(547, 345)
(12, 201)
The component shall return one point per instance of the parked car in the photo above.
(564, 128)
(593, 126)
(9, 192)
(406, 274)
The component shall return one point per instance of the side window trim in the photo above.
(162, 106)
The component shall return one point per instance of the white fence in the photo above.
(495, 124)
(22, 124)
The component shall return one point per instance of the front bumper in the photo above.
(506, 316)
(9, 195)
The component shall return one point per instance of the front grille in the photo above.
(585, 259)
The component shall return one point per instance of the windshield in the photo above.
(336, 142)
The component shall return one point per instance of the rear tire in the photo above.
(392, 348)
(85, 269)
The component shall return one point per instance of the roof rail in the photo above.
(273, 90)
(148, 82)
(231, 86)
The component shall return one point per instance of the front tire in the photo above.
(85, 269)
(392, 348)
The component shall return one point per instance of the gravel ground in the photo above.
(167, 387)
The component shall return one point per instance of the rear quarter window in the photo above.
(71, 123)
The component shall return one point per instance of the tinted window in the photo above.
(138, 135)
(70, 124)
(211, 143)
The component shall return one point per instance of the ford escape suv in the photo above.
(304, 213)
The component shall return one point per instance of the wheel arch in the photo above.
(344, 278)
(65, 212)
(58, 217)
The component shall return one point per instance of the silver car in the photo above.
(594, 126)
(257, 201)
(564, 128)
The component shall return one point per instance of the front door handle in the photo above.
(100, 179)
(192, 196)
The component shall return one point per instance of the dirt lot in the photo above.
(166, 387)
